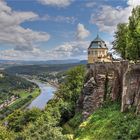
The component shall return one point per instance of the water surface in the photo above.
(47, 92)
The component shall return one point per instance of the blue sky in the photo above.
(57, 29)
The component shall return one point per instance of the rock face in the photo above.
(110, 81)
(131, 89)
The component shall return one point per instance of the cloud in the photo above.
(133, 3)
(90, 4)
(108, 17)
(11, 32)
(24, 40)
(72, 49)
(58, 3)
(12, 54)
(64, 19)
(81, 32)
(64, 51)
(109, 44)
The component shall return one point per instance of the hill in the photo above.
(37, 69)
(14, 93)
(20, 62)
(61, 119)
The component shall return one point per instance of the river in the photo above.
(47, 92)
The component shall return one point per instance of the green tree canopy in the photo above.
(127, 37)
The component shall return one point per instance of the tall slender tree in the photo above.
(134, 34)
(120, 42)
(127, 37)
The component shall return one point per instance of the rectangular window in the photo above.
(95, 52)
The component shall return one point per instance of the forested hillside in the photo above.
(39, 69)
(14, 93)
(60, 119)
(47, 124)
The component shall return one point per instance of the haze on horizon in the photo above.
(57, 29)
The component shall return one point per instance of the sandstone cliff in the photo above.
(111, 81)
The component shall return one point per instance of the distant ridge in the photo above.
(20, 62)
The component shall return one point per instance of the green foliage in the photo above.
(72, 125)
(19, 119)
(120, 42)
(39, 69)
(25, 99)
(109, 123)
(134, 34)
(127, 37)
(70, 91)
(59, 121)
(5, 134)
(10, 83)
(42, 130)
(47, 124)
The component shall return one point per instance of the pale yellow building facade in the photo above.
(98, 51)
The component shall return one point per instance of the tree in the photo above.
(19, 119)
(120, 42)
(134, 34)
(127, 37)
(5, 134)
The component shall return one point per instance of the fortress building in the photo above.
(98, 51)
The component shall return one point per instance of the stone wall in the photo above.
(110, 81)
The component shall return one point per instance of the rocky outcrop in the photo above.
(110, 81)
(131, 89)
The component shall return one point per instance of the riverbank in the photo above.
(53, 84)
(47, 93)
(36, 80)
(24, 99)
(47, 90)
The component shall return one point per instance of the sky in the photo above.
(58, 29)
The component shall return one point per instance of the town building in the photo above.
(98, 51)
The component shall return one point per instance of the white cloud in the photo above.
(64, 19)
(133, 3)
(58, 3)
(12, 54)
(65, 51)
(13, 33)
(81, 32)
(108, 17)
(109, 44)
(74, 48)
(24, 40)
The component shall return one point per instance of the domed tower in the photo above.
(98, 51)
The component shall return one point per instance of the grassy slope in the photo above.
(108, 123)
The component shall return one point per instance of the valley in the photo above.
(69, 70)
